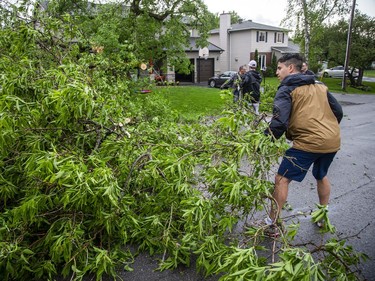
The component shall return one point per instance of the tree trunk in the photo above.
(360, 77)
(307, 30)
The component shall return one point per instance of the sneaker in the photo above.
(272, 231)
(269, 228)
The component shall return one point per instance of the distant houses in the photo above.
(231, 46)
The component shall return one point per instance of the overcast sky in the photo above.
(269, 12)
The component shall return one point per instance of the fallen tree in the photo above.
(90, 170)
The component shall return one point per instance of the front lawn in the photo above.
(193, 102)
(369, 73)
(334, 85)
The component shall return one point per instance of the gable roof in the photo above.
(193, 47)
(250, 25)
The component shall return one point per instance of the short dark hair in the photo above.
(289, 59)
(242, 67)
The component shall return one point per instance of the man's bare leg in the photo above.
(280, 195)
(324, 190)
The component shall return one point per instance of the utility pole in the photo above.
(348, 43)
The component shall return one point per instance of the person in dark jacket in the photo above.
(305, 69)
(309, 115)
(235, 82)
(251, 86)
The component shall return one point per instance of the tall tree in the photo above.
(333, 44)
(256, 58)
(234, 18)
(307, 16)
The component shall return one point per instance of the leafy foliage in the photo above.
(214, 19)
(88, 168)
(361, 51)
(308, 17)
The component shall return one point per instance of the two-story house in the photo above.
(231, 46)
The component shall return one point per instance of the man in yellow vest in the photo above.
(309, 116)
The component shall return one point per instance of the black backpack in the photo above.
(252, 82)
(247, 83)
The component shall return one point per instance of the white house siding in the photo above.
(240, 47)
(215, 39)
(219, 65)
(265, 47)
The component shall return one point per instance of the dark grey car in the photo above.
(217, 81)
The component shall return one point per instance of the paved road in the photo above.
(352, 176)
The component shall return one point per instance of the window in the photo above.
(262, 36)
(279, 37)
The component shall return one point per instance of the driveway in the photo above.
(352, 176)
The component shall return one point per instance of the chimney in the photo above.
(225, 26)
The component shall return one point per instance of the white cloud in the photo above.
(269, 12)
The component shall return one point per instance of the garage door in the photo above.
(205, 69)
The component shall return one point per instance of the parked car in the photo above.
(217, 81)
(337, 72)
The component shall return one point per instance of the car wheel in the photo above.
(212, 83)
(325, 74)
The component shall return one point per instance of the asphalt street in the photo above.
(351, 209)
(352, 176)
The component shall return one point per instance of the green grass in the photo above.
(193, 102)
(334, 85)
(369, 73)
(270, 81)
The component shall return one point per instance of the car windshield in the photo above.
(228, 73)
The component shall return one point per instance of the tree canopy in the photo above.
(308, 16)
